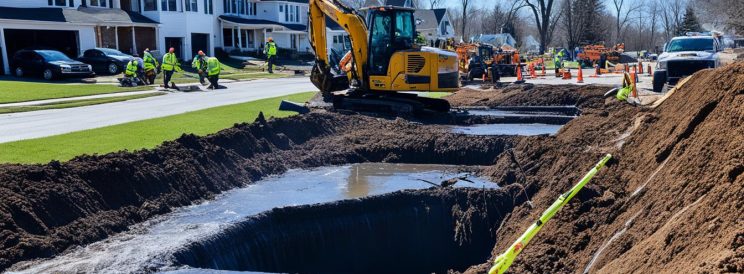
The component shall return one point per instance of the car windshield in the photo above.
(691, 44)
(53, 55)
(113, 52)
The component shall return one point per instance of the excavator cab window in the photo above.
(390, 31)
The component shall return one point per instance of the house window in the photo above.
(60, 3)
(191, 5)
(254, 8)
(151, 5)
(281, 8)
(293, 37)
(297, 13)
(208, 7)
(227, 37)
(286, 13)
(169, 5)
(97, 3)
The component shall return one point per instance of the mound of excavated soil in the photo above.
(47, 208)
(671, 201)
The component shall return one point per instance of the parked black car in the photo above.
(106, 60)
(49, 64)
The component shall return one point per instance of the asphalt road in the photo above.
(36, 124)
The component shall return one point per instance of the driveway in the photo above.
(36, 124)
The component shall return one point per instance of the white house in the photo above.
(72, 26)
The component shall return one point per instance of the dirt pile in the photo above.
(47, 208)
(670, 202)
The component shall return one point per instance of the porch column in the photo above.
(116, 37)
(6, 63)
(240, 38)
(98, 36)
(232, 36)
(134, 42)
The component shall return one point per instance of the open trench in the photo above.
(419, 231)
(671, 196)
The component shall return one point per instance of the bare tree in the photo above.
(671, 15)
(465, 4)
(545, 19)
(622, 15)
(433, 4)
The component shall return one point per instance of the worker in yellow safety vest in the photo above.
(270, 51)
(170, 65)
(213, 70)
(151, 67)
(200, 64)
(131, 68)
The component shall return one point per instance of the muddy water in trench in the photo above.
(146, 246)
(545, 120)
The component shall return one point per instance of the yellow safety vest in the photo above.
(213, 66)
(132, 68)
(150, 62)
(270, 48)
(170, 62)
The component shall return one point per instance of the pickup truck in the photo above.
(683, 56)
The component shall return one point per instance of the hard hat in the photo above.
(171, 50)
(271, 39)
(147, 49)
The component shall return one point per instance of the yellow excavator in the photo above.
(384, 61)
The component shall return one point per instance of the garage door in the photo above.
(65, 41)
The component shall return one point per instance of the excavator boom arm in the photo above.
(353, 24)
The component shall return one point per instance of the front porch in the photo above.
(250, 35)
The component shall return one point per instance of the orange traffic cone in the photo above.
(580, 76)
(640, 67)
(519, 73)
(542, 61)
(484, 77)
(533, 73)
(649, 70)
(596, 72)
(633, 79)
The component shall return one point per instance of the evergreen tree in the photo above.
(590, 10)
(689, 23)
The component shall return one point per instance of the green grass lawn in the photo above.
(141, 134)
(19, 91)
(77, 103)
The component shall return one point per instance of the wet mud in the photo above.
(670, 201)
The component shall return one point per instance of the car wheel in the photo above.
(19, 72)
(112, 68)
(660, 78)
(48, 75)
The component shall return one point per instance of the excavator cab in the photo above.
(391, 30)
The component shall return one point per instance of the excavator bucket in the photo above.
(326, 81)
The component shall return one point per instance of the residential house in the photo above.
(72, 26)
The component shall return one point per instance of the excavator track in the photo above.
(392, 103)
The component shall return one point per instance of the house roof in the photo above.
(333, 25)
(239, 20)
(293, 1)
(375, 3)
(80, 15)
(425, 19)
(440, 14)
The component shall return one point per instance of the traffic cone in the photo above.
(649, 70)
(533, 74)
(484, 77)
(633, 79)
(519, 73)
(640, 67)
(596, 72)
(543, 66)
(580, 76)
